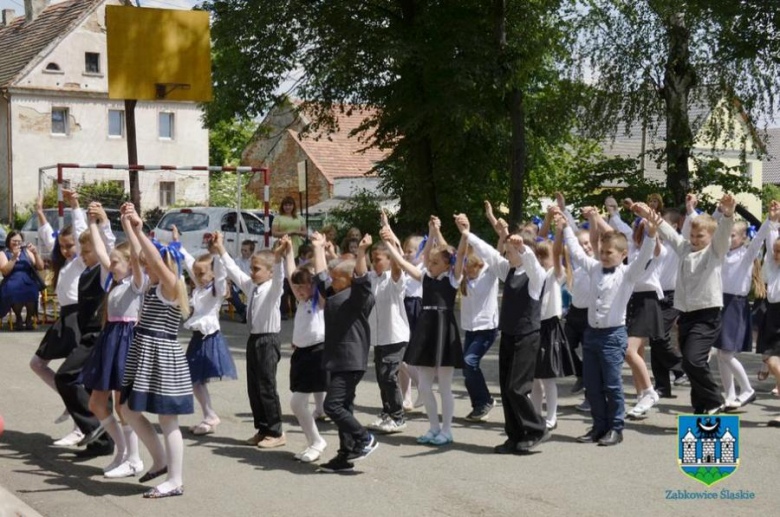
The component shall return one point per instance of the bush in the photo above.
(362, 210)
(153, 216)
(222, 191)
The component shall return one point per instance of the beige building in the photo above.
(54, 108)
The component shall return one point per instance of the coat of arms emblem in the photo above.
(708, 446)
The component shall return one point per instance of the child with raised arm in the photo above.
(606, 339)
(157, 378)
(435, 347)
(520, 324)
(307, 374)
(263, 290)
(208, 355)
(347, 339)
(699, 296)
(103, 373)
(770, 329)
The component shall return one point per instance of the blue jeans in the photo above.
(477, 344)
(604, 351)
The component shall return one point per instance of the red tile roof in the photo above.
(21, 42)
(337, 154)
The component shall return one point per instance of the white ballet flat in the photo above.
(125, 470)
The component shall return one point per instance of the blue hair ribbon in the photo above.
(751, 232)
(421, 247)
(540, 239)
(174, 249)
(315, 301)
(637, 221)
(109, 279)
(537, 221)
(699, 212)
(586, 225)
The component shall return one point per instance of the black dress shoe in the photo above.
(94, 450)
(153, 475)
(527, 445)
(773, 423)
(590, 437)
(508, 447)
(95, 434)
(611, 438)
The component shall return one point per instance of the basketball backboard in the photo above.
(156, 54)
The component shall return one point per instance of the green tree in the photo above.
(654, 59)
(227, 140)
(223, 189)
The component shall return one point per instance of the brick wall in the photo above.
(283, 160)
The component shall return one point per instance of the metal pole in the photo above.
(60, 201)
(239, 217)
(132, 153)
(267, 206)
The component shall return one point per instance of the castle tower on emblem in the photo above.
(727, 447)
(689, 447)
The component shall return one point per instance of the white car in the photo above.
(198, 224)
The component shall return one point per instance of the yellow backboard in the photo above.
(151, 51)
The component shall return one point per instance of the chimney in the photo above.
(32, 8)
(8, 17)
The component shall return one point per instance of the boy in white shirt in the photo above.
(699, 296)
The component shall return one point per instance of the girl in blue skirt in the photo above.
(103, 372)
(208, 355)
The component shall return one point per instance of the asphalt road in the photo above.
(225, 477)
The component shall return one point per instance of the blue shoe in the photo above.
(364, 451)
(427, 437)
(441, 439)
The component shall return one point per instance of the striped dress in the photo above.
(157, 378)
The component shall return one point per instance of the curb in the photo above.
(12, 506)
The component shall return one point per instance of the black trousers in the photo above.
(263, 352)
(73, 393)
(574, 327)
(516, 367)
(340, 406)
(664, 356)
(699, 331)
(387, 361)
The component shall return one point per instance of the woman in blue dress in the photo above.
(19, 265)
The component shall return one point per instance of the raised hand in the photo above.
(366, 242)
(462, 222)
(560, 201)
(610, 204)
(642, 210)
(560, 221)
(517, 242)
(628, 203)
(589, 212)
(72, 197)
(386, 234)
(317, 240)
(434, 223)
(39, 203)
(774, 211)
(489, 212)
(383, 218)
(283, 245)
(691, 201)
(502, 227)
(727, 205)
(97, 211)
(175, 234)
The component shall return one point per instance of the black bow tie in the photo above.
(608, 270)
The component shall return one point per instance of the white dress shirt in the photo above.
(668, 263)
(501, 266)
(68, 281)
(309, 324)
(609, 292)
(206, 302)
(699, 285)
(552, 297)
(413, 287)
(479, 306)
(263, 301)
(651, 279)
(389, 324)
(738, 264)
(771, 269)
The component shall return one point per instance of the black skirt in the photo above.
(554, 357)
(769, 335)
(413, 307)
(62, 337)
(435, 340)
(736, 332)
(306, 372)
(644, 315)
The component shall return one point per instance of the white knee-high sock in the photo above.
(726, 376)
(131, 442)
(174, 451)
(299, 403)
(42, 370)
(201, 393)
(148, 436)
(738, 371)
(551, 394)
(425, 389)
(445, 374)
(537, 395)
(113, 429)
(319, 402)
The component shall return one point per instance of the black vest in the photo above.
(91, 298)
(520, 314)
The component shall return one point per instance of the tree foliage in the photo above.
(223, 188)
(227, 140)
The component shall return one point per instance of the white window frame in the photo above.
(67, 120)
(172, 125)
(121, 134)
(172, 200)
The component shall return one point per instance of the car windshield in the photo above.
(184, 221)
(51, 215)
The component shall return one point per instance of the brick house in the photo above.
(336, 162)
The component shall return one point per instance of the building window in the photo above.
(53, 67)
(59, 121)
(167, 193)
(166, 126)
(116, 123)
(92, 63)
